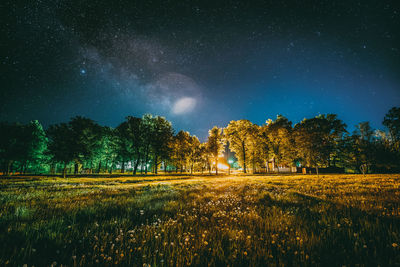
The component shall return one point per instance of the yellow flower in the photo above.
(245, 253)
(205, 243)
(395, 245)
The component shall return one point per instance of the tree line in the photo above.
(149, 143)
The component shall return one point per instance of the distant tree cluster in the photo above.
(149, 144)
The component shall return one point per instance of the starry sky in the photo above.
(199, 63)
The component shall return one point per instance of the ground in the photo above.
(332, 220)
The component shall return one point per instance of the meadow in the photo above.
(293, 220)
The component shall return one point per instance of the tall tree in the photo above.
(123, 145)
(363, 146)
(61, 136)
(86, 140)
(107, 150)
(135, 133)
(11, 145)
(215, 144)
(258, 147)
(238, 134)
(181, 149)
(392, 122)
(280, 140)
(35, 145)
(194, 152)
(316, 139)
(161, 135)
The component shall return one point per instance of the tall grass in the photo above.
(332, 220)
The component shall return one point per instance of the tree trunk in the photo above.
(99, 168)
(76, 168)
(136, 166)
(21, 168)
(53, 168)
(9, 167)
(146, 160)
(317, 170)
(254, 164)
(216, 165)
(123, 167)
(277, 165)
(244, 157)
(155, 163)
(65, 170)
(25, 167)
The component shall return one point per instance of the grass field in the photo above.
(331, 220)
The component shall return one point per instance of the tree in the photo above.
(34, 145)
(86, 140)
(205, 158)
(194, 152)
(181, 149)
(135, 133)
(392, 122)
(215, 144)
(280, 140)
(10, 145)
(161, 135)
(317, 138)
(61, 136)
(363, 146)
(238, 134)
(258, 147)
(123, 145)
(108, 148)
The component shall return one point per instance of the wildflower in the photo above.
(395, 245)
(245, 253)
(205, 243)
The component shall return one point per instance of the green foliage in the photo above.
(22, 147)
(240, 135)
(392, 122)
(149, 142)
(215, 144)
(279, 137)
(317, 138)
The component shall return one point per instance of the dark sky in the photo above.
(199, 63)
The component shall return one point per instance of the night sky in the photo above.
(199, 63)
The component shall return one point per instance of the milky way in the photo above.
(199, 64)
